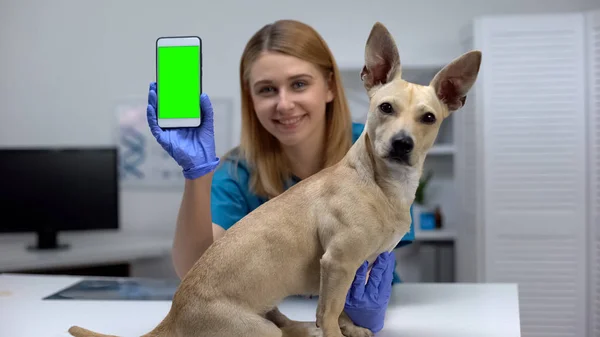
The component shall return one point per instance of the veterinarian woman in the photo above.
(295, 122)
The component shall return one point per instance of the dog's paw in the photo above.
(304, 329)
(355, 331)
(313, 331)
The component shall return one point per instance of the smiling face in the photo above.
(289, 96)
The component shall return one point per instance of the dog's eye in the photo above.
(428, 118)
(386, 108)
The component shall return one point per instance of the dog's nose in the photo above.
(403, 144)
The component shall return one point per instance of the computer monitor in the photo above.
(48, 190)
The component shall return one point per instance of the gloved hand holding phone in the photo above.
(367, 301)
(192, 148)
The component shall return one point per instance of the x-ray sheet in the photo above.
(137, 289)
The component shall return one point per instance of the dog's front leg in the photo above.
(337, 273)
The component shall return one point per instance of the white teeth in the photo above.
(290, 121)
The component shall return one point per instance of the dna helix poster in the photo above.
(143, 163)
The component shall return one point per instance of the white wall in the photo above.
(64, 63)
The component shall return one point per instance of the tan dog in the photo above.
(313, 238)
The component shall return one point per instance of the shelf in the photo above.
(441, 150)
(435, 235)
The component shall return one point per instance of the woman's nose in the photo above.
(285, 102)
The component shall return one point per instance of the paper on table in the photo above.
(138, 289)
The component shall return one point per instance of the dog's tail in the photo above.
(161, 330)
(81, 332)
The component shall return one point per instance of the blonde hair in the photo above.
(261, 150)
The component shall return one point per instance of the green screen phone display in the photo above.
(178, 82)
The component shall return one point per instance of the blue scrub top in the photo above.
(231, 198)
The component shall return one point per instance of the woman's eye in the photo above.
(299, 85)
(266, 90)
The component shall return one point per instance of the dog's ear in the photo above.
(452, 83)
(382, 61)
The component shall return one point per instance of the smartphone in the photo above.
(178, 81)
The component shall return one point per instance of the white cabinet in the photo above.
(527, 155)
(593, 86)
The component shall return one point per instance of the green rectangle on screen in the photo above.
(178, 80)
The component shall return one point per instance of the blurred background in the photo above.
(514, 190)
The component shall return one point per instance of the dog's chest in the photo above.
(397, 224)
(388, 245)
(395, 239)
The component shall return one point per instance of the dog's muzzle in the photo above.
(402, 146)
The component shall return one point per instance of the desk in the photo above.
(88, 248)
(423, 310)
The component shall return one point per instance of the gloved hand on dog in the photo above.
(366, 303)
(192, 148)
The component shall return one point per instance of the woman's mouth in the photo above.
(290, 123)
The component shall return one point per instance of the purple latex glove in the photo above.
(192, 148)
(366, 303)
